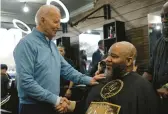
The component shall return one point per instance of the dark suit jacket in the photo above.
(96, 57)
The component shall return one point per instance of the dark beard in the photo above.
(118, 71)
(165, 31)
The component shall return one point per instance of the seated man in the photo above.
(122, 86)
(123, 89)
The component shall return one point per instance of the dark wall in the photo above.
(139, 37)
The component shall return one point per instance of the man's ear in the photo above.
(42, 19)
(129, 61)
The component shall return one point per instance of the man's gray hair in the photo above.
(43, 11)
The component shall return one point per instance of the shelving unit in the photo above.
(113, 32)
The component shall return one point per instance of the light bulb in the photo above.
(89, 31)
(25, 9)
(158, 27)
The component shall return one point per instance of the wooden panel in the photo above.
(137, 32)
(125, 17)
(136, 5)
(132, 6)
(128, 12)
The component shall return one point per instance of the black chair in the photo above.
(10, 103)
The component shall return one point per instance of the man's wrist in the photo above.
(58, 100)
(72, 106)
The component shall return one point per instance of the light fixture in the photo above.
(25, 8)
(89, 31)
(158, 27)
(15, 21)
(66, 19)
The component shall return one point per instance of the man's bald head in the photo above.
(48, 20)
(44, 11)
(125, 48)
(120, 59)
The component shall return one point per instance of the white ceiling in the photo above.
(154, 17)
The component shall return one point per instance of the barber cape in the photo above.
(130, 94)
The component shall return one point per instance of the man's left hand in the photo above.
(95, 78)
(163, 92)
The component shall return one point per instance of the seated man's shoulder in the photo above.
(140, 81)
(137, 76)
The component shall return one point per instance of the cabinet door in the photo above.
(108, 43)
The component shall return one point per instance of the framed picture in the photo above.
(103, 108)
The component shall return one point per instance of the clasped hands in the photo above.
(65, 105)
(68, 106)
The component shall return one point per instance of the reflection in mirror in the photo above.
(88, 41)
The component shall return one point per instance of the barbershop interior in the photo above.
(84, 56)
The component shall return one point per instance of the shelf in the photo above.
(110, 38)
(117, 30)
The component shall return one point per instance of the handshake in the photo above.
(65, 105)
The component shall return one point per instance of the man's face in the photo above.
(115, 62)
(62, 51)
(164, 19)
(101, 46)
(3, 71)
(164, 13)
(51, 23)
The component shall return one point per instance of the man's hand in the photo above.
(63, 106)
(72, 106)
(163, 92)
(95, 78)
(97, 72)
(68, 93)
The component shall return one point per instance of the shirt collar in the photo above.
(40, 35)
(102, 52)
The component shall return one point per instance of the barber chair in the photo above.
(4, 105)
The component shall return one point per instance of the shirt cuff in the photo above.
(58, 100)
(87, 80)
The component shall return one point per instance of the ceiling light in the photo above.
(158, 27)
(25, 8)
(89, 31)
(15, 21)
(66, 19)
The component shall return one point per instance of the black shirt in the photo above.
(158, 66)
(136, 97)
(4, 85)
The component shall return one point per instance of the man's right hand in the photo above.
(63, 106)
(163, 92)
